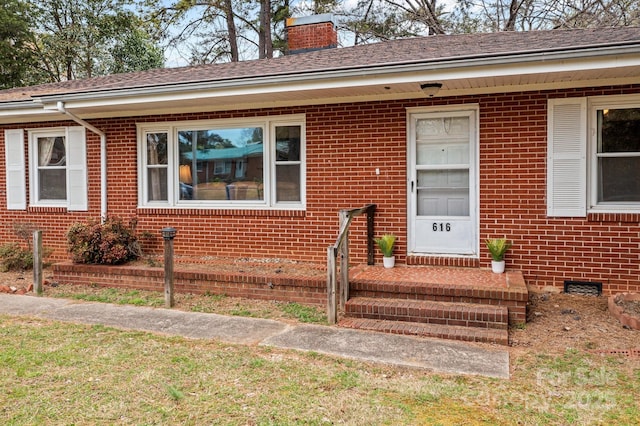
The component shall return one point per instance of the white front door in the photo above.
(443, 183)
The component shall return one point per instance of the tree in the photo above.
(85, 38)
(527, 15)
(221, 30)
(134, 53)
(206, 31)
(15, 39)
(376, 20)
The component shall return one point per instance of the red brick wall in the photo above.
(53, 221)
(345, 144)
(312, 36)
(266, 287)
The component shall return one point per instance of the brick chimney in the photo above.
(309, 33)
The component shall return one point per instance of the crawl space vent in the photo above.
(583, 287)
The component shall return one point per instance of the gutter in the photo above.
(103, 156)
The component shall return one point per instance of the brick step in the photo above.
(444, 284)
(451, 332)
(429, 312)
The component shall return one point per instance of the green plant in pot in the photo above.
(497, 248)
(386, 244)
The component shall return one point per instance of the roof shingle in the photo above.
(396, 52)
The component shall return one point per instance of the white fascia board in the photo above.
(26, 112)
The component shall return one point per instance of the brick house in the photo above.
(456, 138)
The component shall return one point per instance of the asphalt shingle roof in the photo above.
(396, 52)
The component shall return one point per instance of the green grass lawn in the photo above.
(60, 374)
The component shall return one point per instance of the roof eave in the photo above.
(314, 87)
(443, 64)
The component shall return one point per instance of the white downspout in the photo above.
(103, 156)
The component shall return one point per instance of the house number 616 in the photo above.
(441, 227)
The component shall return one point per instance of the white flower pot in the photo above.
(389, 262)
(497, 266)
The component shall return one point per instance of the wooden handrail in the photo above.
(342, 246)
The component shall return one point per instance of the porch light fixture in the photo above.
(430, 89)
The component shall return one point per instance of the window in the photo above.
(58, 176)
(593, 155)
(617, 155)
(157, 165)
(288, 164)
(52, 168)
(256, 163)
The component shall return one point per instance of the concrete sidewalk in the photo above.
(432, 354)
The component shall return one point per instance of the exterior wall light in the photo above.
(430, 89)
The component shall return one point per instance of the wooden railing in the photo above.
(342, 246)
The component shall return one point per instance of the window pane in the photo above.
(619, 130)
(156, 148)
(157, 178)
(51, 152)
(221, 164)
(288, 143)
(619, 179)
(288, 183)
(52, 184)
(442, 141)
(443, 193)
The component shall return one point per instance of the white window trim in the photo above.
(595, 104)
(76, 167)
(267, 123)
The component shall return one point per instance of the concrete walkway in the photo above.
(432, 354)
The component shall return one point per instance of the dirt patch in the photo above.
(240, 265)
(557, 322)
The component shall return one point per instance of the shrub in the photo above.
(15, 258)
(110, 243)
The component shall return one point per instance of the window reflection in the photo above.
(221, 164)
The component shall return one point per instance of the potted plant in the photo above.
(497, 247)
(386, 244)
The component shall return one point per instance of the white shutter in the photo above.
(567, 158)
(16, 173)
(76, 169)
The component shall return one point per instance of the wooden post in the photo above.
(332, 311)
(371, 209)
(168, 234)
(37, 262)
(344, 261)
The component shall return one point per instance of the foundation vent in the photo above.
(585, 288)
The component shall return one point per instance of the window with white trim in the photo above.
(57, 167)
(247, 163)
(593, 155)
(615, 165)
(51, 167)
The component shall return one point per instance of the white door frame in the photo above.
(474, 187)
